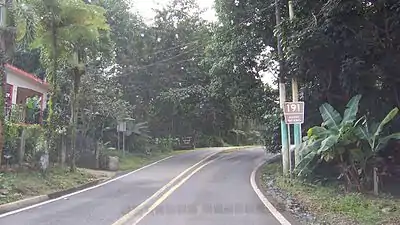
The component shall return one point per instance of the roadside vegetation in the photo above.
(331, 204)
(182, 79)
(106, 66)
(132, 161)
(29, 183)
(342, 53)
(345, 169)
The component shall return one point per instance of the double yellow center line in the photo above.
(138, 213)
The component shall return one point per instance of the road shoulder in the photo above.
(276, 207)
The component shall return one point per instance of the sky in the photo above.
(144, 8)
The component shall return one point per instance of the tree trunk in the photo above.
(63, 155)
(52, 79)
(376, 181)
(97, 154)
(77, 72)
(73, 123)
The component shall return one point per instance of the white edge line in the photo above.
(81, 191)
(282, 220)
(86, 189)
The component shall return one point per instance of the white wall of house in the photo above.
(18, 80)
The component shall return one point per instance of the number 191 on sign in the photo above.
(294, 112)
(294, 108)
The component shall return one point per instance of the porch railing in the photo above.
(21, 114)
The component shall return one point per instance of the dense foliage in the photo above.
(177, 76)
(181, 75)
(336, 50)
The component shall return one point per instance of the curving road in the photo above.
(217, 193)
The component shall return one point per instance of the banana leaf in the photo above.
(383, 141)
(331, 117)
(389, 117)
(363, 133)
(309, 152)
(328, 143)
(350, 113)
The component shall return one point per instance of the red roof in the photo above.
(26, 74)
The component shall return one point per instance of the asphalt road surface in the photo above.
(219, 193)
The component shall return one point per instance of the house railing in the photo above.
(22, 114)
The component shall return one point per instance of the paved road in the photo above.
(106, 204)
(220, 193)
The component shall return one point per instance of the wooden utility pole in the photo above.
(295, 98)
(282, 94)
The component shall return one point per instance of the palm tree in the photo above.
(67, 32)
(7, 32)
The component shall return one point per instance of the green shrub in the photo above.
(12, 133)
(348, 142)
(34, 140)
(35, 143)
(203, 141)
(271, 135)
(165, 144)
(253, 137)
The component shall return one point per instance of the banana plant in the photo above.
(329, 140)
(376, 141)
(373, 134)
(139, 129)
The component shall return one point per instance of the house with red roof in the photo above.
(20, 86)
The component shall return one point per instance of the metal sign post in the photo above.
(121, 127)
(294, 114)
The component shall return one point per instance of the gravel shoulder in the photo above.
(315, 204)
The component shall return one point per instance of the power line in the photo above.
(175, 47)
(192, 42)
(198, 39)
(168, 59)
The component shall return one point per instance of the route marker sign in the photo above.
(293, 112)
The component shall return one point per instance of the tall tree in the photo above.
(67, 33)
(7, 39)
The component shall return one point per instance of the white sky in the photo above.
(144, 8)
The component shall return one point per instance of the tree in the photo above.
(7, 36)
(67, 33)
(339, 49)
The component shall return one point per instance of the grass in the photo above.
(133, 161)
(329, 204)
(23, 184)
(236, 148)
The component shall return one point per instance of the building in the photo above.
(20, 87)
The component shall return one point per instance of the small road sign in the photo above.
(294, 112)
(121, 127)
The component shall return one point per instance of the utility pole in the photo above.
(295, 98)
(282, 94)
